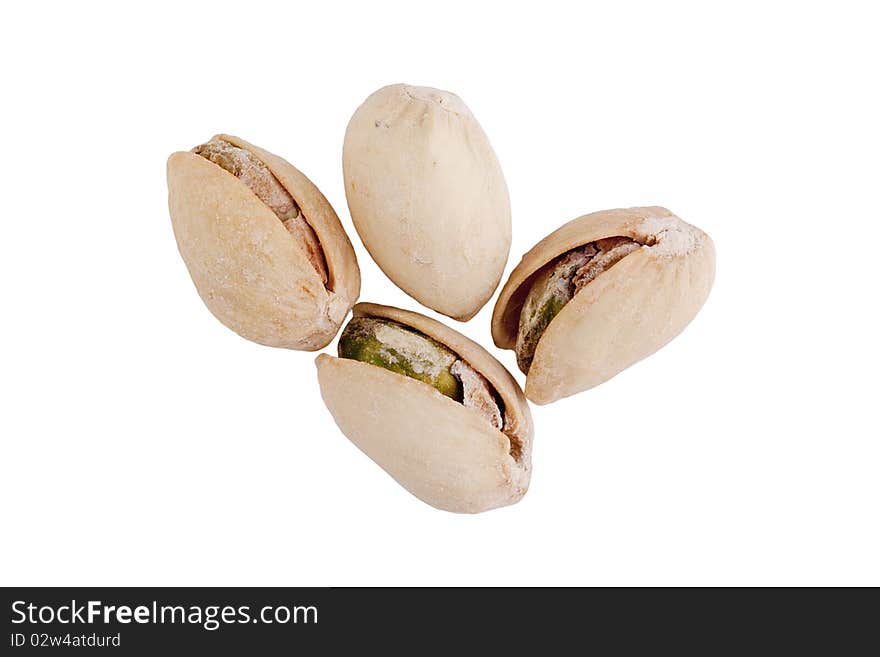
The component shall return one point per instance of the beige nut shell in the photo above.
(625, 314)
(442, 452)
(247, 268)
(427, 197)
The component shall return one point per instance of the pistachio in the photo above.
(431, 407)
(599, 294)
(427, 197)
(265, 249)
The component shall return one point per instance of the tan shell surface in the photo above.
(445, 454)
(625, 314)
(427, 196)
(246, 267)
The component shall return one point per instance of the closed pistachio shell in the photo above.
(443, 452)
(624, 312)
(271, 282)
(428, 197)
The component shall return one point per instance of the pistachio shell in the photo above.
(427, 197)
(248, 269)
(625, 314)
(442, 452)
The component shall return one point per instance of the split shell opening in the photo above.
(443, 446)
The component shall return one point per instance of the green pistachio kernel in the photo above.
(403, 350)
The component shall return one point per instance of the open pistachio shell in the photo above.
(627, 312)
(444, 453)
(427, 197)
(250, 271)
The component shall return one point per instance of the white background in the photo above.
(144, 443)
